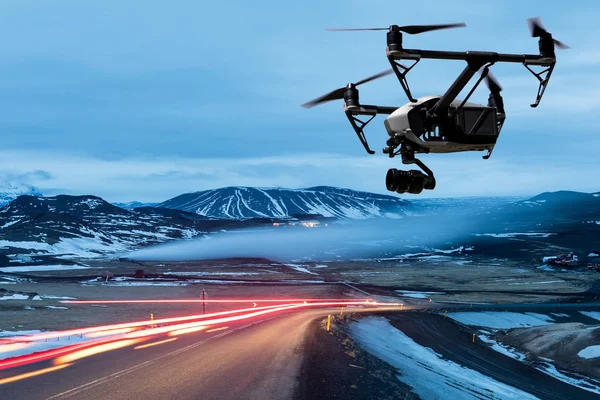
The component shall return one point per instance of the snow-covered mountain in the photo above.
(10, 191)
(86, 226)
(130, 205)
(248, 202)
(33, 228)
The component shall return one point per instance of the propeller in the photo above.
(492, 83)
(537, 30)
(338, 94)
(410, 29)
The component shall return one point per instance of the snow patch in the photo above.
(37, 268)
(501, 319)
(591, 314)
(300, 268)
(590, 352)
(515, 234)
(417, 295)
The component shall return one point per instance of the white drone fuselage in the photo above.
(408, 122)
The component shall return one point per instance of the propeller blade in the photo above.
(376, 76)
(492, 83)
(336, 94)
(536, 28)
(561, 45)
(410, 29)
(415, 29)
(355, 29)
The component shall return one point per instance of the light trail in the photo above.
(32, 374)
(109, 332)
(217, 329)
(144, 346)
(199, 321)
(5, 348)
(91, 351)
(81, 331)
(187, 330)
(176, 301)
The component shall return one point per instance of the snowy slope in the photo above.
(85, 226)
(248, 202)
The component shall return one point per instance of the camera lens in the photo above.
(406, 181)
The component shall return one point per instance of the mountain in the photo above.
(562, 206)
(86, 226)
(462, 205)
(10, 191)
(134, 204)
(33, 228)
(248, 202)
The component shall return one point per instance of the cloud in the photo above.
(157, 179)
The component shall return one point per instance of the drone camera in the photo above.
(412, 181)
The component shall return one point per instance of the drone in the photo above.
(440, 124)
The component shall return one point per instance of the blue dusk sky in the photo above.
(144, 100)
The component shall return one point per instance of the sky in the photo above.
(145, 100)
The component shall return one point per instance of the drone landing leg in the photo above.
(401, 75)
(358, 126)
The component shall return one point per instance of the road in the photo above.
(257, 360)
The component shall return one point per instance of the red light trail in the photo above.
(175, 301)
(126, 334)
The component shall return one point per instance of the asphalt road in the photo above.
(257, 360)
(254, 360)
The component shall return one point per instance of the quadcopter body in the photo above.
(440, 123)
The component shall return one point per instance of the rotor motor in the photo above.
(351, 97)
(394, 40)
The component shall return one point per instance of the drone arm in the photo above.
(456, 87)
(371, 110)
(530, 59)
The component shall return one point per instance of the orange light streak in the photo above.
(187, 330)
(101, 348)
(15, 378)
(217, 329)
(143, 346)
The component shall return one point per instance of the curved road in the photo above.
(258, 360)
(252, 360)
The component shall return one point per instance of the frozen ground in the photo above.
(536, 339)
(430, 376)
